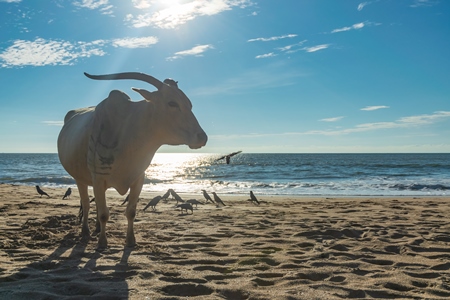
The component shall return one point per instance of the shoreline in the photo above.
(286, 248)
(113, 192)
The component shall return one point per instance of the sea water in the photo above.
(264, 174)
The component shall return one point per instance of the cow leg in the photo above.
(85, 206)
(102, 213)
(135, 191)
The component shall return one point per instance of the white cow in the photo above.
(112, 144)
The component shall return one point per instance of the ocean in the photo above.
(264, 174)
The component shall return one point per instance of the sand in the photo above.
(285, 248)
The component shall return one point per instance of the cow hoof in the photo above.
(102, 243)
(130, 243)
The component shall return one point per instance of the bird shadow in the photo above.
(154, 212)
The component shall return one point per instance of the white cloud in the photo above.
(54, 123)
(374, 107)
(41, 52)
(316, 48)
(196, 51)
(140, 42)
(102, 5)
(271, 54)
(141, 4)
(362, 5)
(177, 15)
(425, 119)
(11, 1)
(419, 3)
(292, 48)
(405, 122)
(335, 119)
(274, 38)
(354, 26)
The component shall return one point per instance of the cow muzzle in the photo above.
(200, 141)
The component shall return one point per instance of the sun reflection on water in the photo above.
(175, 170)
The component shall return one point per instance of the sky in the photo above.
(287, 76)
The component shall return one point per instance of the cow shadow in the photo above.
(74, 270)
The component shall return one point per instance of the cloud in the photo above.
(354, 26)
(271, 54)
(11, 1)
(179, 14)
(91, 4)
(141, 42)
(405, 122)
(41, 52)
(316, 48)
(102, 5)
(419, 3)
(292, 48)
(335, 119)
(54, 123)
(141, 4)
(362, 5)
(196, 51)
(274, 38)
(374, 107)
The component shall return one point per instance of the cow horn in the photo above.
(128, 75)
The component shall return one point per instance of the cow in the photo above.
(112, 144)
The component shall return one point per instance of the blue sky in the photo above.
(263, 76)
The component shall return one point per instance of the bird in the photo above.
(67, 194)
(186, 206)
(217, 199)
(176, 196)
(167, 194)
(153, 203)
(207, 197)
(126, 200)
(194, 201)
(253, 198)
(228, 156)
(41, 192)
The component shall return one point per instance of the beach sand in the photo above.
(286, 248)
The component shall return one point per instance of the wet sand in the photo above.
(285, 248)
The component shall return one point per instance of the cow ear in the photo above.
(144, 93)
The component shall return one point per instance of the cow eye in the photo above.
(173, 104)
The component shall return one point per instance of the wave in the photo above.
(421, 187)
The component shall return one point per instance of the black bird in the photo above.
(153, 203)
(67, 194)
(167, 194)
(194, 201)
(176, 196)
(186, 206)
(228, 156)
(253, 198)
(207, 197)
(41, 192)
(217, 199)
